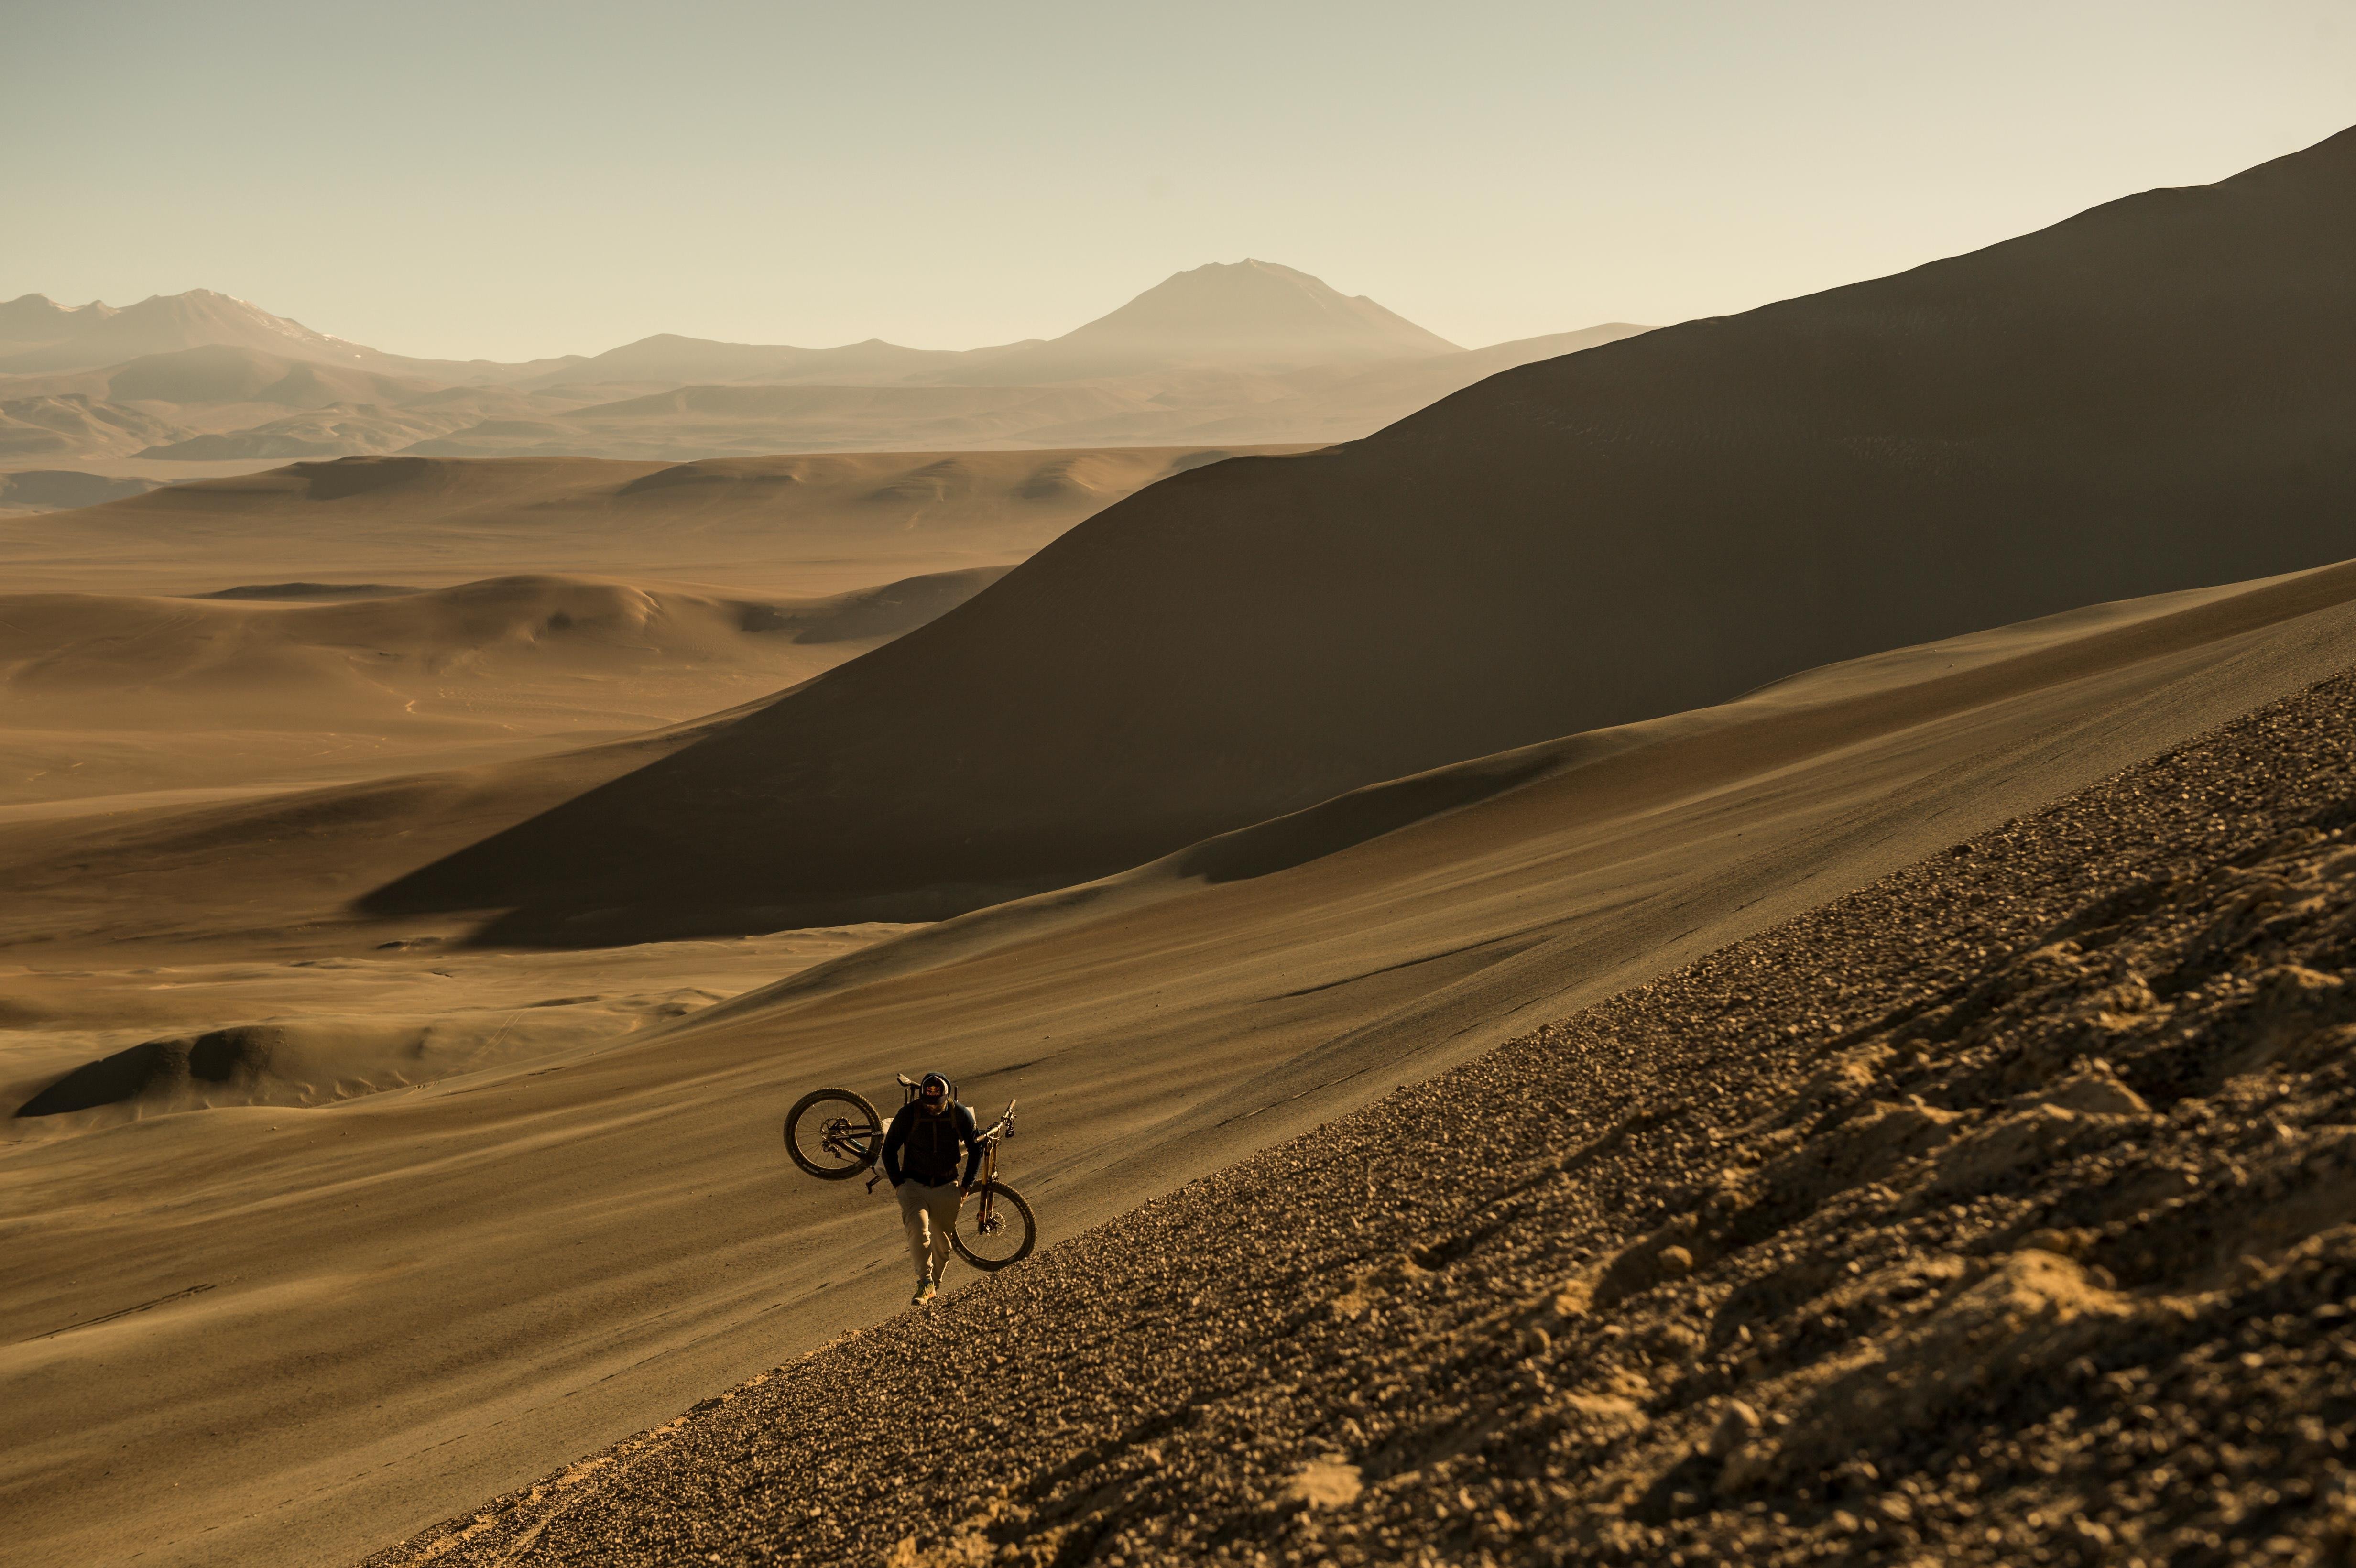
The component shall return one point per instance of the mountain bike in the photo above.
(836, 1133)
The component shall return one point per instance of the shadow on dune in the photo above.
(158, 1069)
(2157, 394)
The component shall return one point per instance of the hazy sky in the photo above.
(511, 179)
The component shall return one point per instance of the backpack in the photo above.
(931, 1154)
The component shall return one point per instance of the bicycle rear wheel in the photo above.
(833, 1134)
(994, 1228)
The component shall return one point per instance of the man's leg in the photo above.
(912, 1216)
(942, 1202)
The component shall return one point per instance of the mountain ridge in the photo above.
(37, 335)
(1251, 353)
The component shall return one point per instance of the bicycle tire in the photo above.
(858, 1121)
(1014, 1214)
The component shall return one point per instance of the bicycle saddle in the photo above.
(906, 1082)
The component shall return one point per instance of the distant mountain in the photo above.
(336, 431)
(1314, 406)
(702, 361)
(1248, 352)
(40, 429)
(37, 334)
(221, 373)
(1244, 314)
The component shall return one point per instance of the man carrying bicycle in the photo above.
(921, 1157)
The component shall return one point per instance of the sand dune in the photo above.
(61, 489)
(791, 526)
(127, 700)
(91, 1049)
(598, 1241)
(1649, 526)
(111, 696)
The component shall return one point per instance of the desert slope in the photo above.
(597, 1239)
(1995, 1213)
(2152, 395)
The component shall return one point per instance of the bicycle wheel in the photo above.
(833, 1134)
(994, 1228)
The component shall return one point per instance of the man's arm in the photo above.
(891, 1142)
(971, 1134)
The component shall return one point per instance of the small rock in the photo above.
(2096, 1092)
(1736, 1427)
(1675, 1263)
(1325, 1483)
(2063, 1243)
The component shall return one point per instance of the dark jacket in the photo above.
(924, 1148)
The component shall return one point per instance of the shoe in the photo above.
(924, 1293)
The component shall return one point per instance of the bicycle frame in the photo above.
(852, 1143)
(987, 1172)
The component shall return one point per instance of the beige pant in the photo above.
(930, 1213)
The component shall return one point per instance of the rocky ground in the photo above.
(2002, 1212)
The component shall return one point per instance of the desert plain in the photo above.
(1730, 942)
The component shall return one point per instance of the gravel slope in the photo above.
(1997, 1214)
